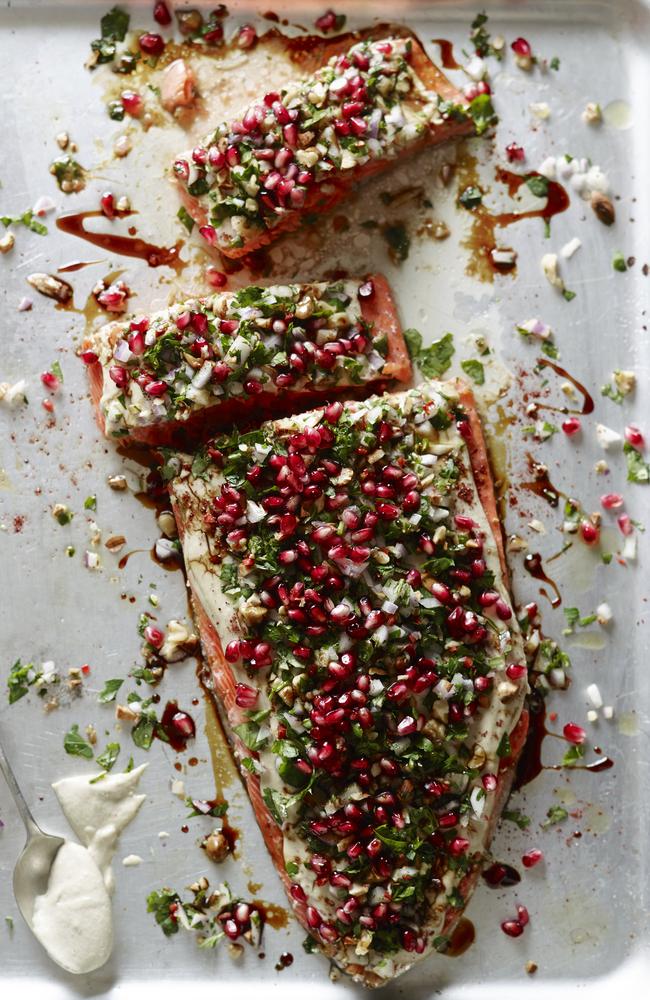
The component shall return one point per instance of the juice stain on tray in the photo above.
(462, 937)
(481, 241)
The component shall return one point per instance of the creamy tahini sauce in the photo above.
(99, 812)
(73, 918)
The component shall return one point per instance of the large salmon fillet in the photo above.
(350, 587)
(178, 375)
(299, 151)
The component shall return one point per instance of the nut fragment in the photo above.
(7, 242)
(51, 287)
(117, 482)
(127, 713)
(478, 757)
(603, 208)
(167, 524)
(115, 542)
(216, 846)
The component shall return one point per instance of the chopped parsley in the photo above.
(537, 185)
(185, 218)
(160, 904)
(470, 197)
(516, 816)
(618, 262)
(90, 503)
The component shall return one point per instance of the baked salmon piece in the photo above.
(350, 587)
(299, 151)
(180, 374)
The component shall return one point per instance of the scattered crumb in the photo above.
(132, 861)
(592, 115)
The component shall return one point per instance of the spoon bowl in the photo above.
(32, 871)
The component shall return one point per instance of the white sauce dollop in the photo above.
(99, 812)
(73, 918)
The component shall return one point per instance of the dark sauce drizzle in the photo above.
(128, 246)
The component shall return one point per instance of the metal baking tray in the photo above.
(589, 902)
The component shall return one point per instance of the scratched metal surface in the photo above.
(589, 902)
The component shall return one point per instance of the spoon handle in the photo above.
(23, 808)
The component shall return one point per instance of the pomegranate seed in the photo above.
(571, 426)
(214, 36)
(252, 386)
(512, 928)
(161, 14)
(574, 733)
(503, 610)
(232, 651)
(156, 388)
(521, 47)
(634, 436)
(590, 533)
(119, 375)
(215, 277)
(151, 44)
(515, 153)
(610, 501)
(88, 357)
(107, 205)
(489, 782)
(247, 36)
(387, 511)
(625, 524)
(414, 578)
(516, 671)
(183, 725)
(333, 412)
(209, 234)
(221, 371)
(313, 916)
(245, 696)
(531, 858)
(407, 726)
(132, 103)
(458, 846)
(326, 22)
(298, 893)
(50, 381)
(522, 915)
(154, 636)
(463, 522)
(411, 502)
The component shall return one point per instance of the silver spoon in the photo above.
(32, 871)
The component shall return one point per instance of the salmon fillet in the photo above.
(351, 592)
(291, 154)
(176, 376)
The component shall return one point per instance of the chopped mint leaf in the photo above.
(556, 814)
(573, 755)
(75, 744)
(201, 807)
(470, 197)
(90, 503)
(115, 24)
(516, 816)
(483, 114)
(21, 677)
(537, 185)
(109, 756)
(434, 361)
(572, 616)
(618, 262)
(27, 219)
(55, 368)
(611, 392)
(638, 471)
(568, 295)
(554, 63)
(184, 216)
(160, 904)
(474, 369)
(504, 748)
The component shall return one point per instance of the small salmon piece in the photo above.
(465, 503)
(326, 136)
(177, 86)
(205, 401)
